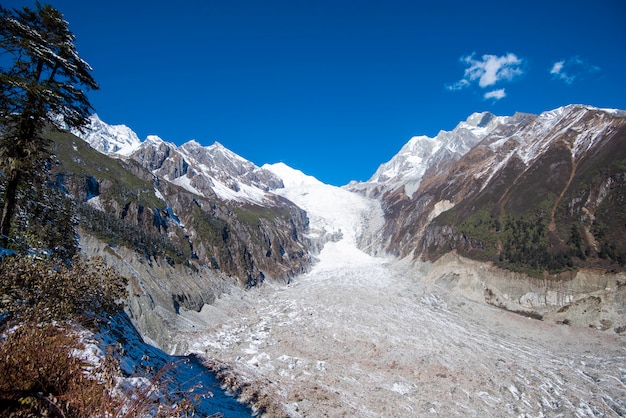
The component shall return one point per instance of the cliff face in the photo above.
(587, 298)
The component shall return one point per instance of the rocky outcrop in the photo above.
(159, 292)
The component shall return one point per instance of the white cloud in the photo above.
(495, 94)
(557, 67)
(571, 69)
(491, 69)
(459, 85)
(488, 71)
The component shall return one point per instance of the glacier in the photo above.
(371, 337)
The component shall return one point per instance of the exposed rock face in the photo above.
(168, 194)
(159, 291)
(588, 297)
(209, 171)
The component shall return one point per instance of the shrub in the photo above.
(47, 290)
(41, 374)
(41, 369)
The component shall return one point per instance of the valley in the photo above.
(455, 282)
(479, 272)
(369, 337)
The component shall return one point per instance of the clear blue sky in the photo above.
(333, 87)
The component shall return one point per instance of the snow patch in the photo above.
(185, 183)
(95, 203)
(158, 194)
(244, 194)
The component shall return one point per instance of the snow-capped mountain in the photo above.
(109, 139)
(559, 170)
(203, 203)
(528, 137)
(408, 166)
(428, 176)
(211, 171)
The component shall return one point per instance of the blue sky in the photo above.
(335, 88)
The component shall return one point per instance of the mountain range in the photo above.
(535, 193)
(531, 192)
(525, 213)
(541, 195)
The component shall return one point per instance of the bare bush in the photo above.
(42, 372)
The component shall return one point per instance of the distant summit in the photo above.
(409, 165)
(109, 139)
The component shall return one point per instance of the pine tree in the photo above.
(43, 84)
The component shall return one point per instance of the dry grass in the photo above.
(42, 306)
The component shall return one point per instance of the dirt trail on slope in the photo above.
(370, 340)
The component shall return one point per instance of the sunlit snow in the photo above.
(331, 209)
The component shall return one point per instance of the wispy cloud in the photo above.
(488, 71)
(572, 69)
(495, 94)
(459, 85)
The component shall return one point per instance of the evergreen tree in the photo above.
(42, 84)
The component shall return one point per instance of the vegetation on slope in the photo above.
(550, 217)
(45, 303)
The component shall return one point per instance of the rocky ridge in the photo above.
(181, 242)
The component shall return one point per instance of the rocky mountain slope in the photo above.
(202, 204)
(532, 192)
(185, 223)
(407, 168)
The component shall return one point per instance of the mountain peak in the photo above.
(154, 139)
(193, 143)
(290, 176)
(479, 119)
(408, 166)
(109, 139)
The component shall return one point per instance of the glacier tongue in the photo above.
(359, 336)
(334, 213)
